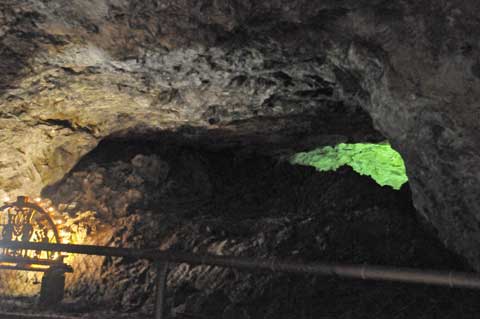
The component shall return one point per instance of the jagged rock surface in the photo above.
(227, 203)
(270, 72)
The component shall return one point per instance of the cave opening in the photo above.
(173, 192)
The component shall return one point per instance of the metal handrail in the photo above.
(162, 258)
(365, 272)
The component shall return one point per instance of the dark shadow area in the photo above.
(183, 196)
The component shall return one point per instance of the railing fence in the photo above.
(163, 259)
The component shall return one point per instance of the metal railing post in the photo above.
(161, 289)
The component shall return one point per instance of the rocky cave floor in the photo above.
(233, 203)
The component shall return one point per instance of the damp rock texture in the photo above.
(279, 75)
(226, 203)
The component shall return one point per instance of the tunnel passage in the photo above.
(85, 70)
(171, 193)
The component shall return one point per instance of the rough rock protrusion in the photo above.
(270, 73)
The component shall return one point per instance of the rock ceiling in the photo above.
(279, 74)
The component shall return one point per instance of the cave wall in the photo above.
(75, 74)
(278, 72)
(160, 195)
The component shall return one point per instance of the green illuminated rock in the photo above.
(379, 161)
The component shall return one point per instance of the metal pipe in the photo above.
(161, 289)
(365, 272)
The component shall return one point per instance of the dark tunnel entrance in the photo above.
(170, 193)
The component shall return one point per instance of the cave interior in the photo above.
(305, 132)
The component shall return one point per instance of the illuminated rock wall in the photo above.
(266, 72)
(15, 283)
(379, 161)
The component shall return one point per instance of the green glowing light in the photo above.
(379, 161)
